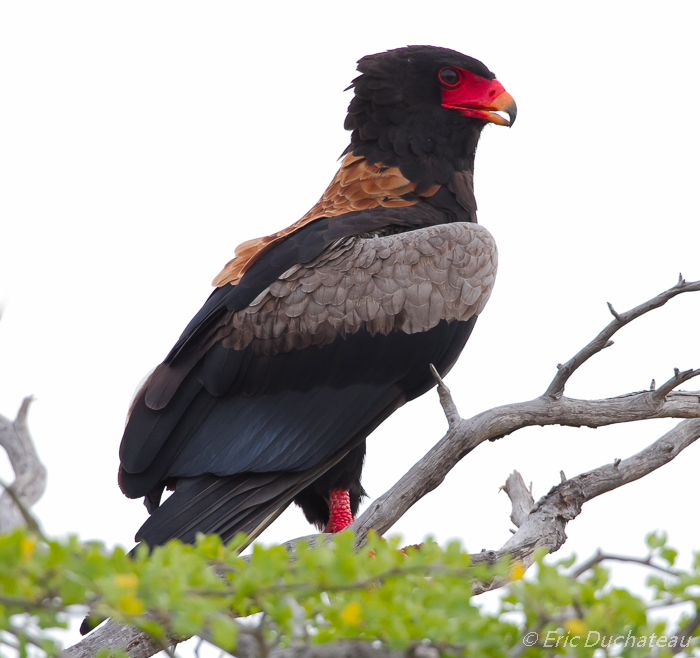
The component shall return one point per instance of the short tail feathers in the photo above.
(209, 504)
(247, 503)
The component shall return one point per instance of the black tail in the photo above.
(247, 502)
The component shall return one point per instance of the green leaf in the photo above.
(669, 554)
(224, 633)
(656, 539)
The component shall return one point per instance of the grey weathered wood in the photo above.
(551, 408)
(114, 636)
(30, 475)
(522, 502)
(602, 340)
(542, 527)
(545, 524)
(428, 473)
(520, 497)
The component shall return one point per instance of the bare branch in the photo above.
(29, 520)
(677, 379)
(545, 524)
(520, 498)
(601, 341)
(448, 404)
(599, 557)
(429, 472)
(115, 636)
(615, 314)
(544, 527)
(522, 503)
(30, 474)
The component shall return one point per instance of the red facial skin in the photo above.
(477, 98)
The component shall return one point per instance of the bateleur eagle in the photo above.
(316, 334)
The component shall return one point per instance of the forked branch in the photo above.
(602, 340)
(542, 524)
(548, 409)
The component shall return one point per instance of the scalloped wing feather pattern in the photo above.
(405, 282)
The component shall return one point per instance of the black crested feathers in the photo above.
(396, 117)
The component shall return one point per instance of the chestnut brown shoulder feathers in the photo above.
(358, 185)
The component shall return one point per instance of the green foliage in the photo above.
(332, 592)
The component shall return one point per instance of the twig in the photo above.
(29, 638)
(549, 409)
(601, 341)
(30, 474)
(520, 497)
(599, 557)
(429, 472)
(677, 379)
(522, 502)
(29, 520)
(448, 404)
(546, 523)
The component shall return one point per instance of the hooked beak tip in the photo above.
(512, 111)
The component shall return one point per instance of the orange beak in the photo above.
(479, 98)
(502, 103)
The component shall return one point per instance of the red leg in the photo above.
(340, 516)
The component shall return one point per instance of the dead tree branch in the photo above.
(114, 636)
(602, 340)
(428, 473)
(522, 502)
(599, 557)
(448, 404)
(545, 525)
(30, 474)
(520, 498)
(551, 408)
(540, 525)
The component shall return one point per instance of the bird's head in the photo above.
(422, 109)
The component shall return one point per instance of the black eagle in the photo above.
(316, 334)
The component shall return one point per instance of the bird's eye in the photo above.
(449, 77)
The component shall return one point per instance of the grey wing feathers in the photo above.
(406, 282)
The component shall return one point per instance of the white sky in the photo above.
(140, 142)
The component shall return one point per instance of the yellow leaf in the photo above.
(351, 614)
(26, 548)
(517, 570)
(130, 605)
(127, 580)
(574, 627)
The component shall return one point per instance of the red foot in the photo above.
(340, 516)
